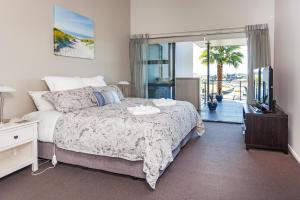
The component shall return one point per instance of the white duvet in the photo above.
(112, 131)
(47, 122)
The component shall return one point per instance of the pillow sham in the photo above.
(106, 97)
(60, 83)
(111, 88)
(97, 81)
(41, 103)
(72, 100)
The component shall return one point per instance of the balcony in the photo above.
(227, 111)
(231, 108)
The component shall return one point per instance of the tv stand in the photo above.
(265, 130)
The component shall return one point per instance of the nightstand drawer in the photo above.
(16, 136)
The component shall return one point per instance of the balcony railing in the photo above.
(235, 89)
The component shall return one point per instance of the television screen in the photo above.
(263, 87)
(256, 84)
(267, 87)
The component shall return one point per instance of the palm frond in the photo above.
(223, 55)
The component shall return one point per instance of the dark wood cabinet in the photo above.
(266, 130)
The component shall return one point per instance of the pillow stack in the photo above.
(68, 94)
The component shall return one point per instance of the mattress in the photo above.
(47, 122)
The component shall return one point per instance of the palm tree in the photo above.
(223, 55)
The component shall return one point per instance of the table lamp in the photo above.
(3, 89)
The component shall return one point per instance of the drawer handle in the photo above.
(16, 137)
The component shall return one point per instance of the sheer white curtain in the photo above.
(138, 65)
(259, 54)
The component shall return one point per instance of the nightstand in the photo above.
(18, 146)
(125, 88)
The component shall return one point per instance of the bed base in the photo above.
(114, 165)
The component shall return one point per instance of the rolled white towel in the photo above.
(143, 110)
(164, 102)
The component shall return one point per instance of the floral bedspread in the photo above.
(112, 131)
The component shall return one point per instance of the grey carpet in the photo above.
(215, 166)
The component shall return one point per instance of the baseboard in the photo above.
(296, 156)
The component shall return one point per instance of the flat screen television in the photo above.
(263, 87)
(256, 84)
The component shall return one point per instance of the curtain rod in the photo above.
(204, 35)
(207, 32)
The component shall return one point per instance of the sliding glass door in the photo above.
(161, 70)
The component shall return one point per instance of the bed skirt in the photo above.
(114, 165)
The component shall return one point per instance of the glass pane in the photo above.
(160, 71)
(165, 72)
(153, 73)
(154, 52)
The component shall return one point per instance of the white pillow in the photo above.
(60, 83)
(41, 103)
(97, 81)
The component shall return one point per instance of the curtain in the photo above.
(258, 52)
(138, 66)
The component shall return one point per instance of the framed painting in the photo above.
(73, 34)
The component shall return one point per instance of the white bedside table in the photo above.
(18, 146)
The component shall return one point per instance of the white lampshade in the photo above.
(5, 88)
(123, 83)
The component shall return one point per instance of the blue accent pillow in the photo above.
(106, 97)
(99, 98)
(110, 97)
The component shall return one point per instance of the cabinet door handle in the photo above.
(16, 137)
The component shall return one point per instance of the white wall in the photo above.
(26, 52)
(287, 70)
(165, 16)
(184, 59)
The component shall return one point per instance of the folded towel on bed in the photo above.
(143, 110)
(164, 102)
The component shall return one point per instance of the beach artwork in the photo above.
(73, 34)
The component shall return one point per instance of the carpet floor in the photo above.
(215, 166)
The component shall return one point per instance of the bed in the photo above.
(112, 139)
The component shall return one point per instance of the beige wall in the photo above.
(165, 16)
(287, 70)
(26, 51)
